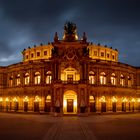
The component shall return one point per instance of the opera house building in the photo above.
(70, 76)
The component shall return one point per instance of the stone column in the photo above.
(31, 73)
(42, 76)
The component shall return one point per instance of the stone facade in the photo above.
(70, 76)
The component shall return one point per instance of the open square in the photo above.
(45, 127)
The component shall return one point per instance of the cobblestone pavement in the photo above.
(44, 127)
(70, 128)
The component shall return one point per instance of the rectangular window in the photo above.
(102, 54)
(95, 53)
(18, 81)
(26, 56)
(107, 55)
(70, 78)
(38, 53)
(113, 57)
(45, 52)
(11, 82)
(27, 80)
(48, 79)
(32, 55)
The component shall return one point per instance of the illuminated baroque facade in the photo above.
(70, 76)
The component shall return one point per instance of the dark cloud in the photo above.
(24, 23)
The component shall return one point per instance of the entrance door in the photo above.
(103, 107)
(16, 106)
(114, 106)
(36, 106)
(92, 107)
(25, 106)
(69, 105)
(124, 106)
(47, 107)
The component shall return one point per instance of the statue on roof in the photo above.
(70, 27)
(70, 31)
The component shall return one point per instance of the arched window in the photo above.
(122, 80)
(37, 99)
(113, 79)
(91, 99)
(48, 98)
(27, 78)
(129, 81)
(18, 79)
(11, 81)
(48, 77)
(102, 78)
(37, 78)
(91, 77)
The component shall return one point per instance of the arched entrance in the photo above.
(70, 102)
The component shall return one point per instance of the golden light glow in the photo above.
(102, 99)
(138, 100)
(70, 95)
(91, 99)
(133, 100)
(37, 78)
(75, 103)
(114, 99)
(109, 54)
(7, 99)
(26, 99)
(70, 71)
(37, 99)
(65, 103)
(31, 53)
(124, 100)
(15, 99)
(102, 78)
(48, 99)
(1, 99)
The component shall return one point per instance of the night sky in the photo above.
(115, 23)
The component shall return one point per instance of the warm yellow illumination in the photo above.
(70, 74)
(45, 52)
(72, 96)
(114, 99)
(27, 79)
(133, 100)
(65, 103)
(7, 99)
(48, 99)
(26, 99)
(15, 99)
(75, 103)
(37, 78)
(124, 100)
(102, 78)
(138, 100)
(1, 99)
(102, 99)
(37, 99)
(48, 77)
(95, 52)
(91, 99)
